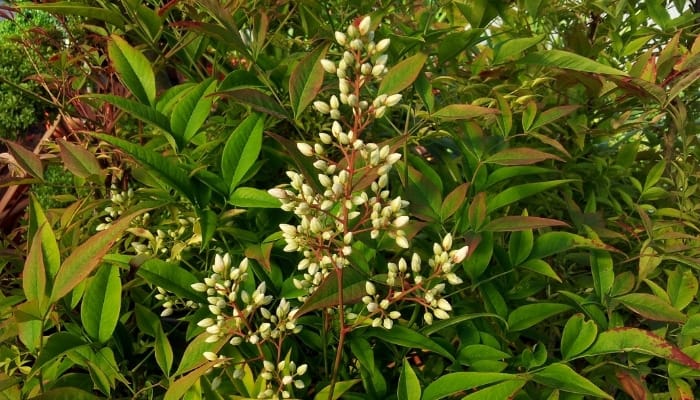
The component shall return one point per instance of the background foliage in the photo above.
(556, 139)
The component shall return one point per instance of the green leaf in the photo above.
(551, 243)
(340, 388)
(480, 258)
(99, 312)
(409, 386)
(177, 389)
(652, 307)
(513, 223)
(327, 293)
(520, 156)
(406, 337)
(636, 340)
(78, 160)
(529, 315)
(505, 173)
(454, 112)
(164, 352)
(682, 84)
(171, 277)
(134, 69)
(519, 192)
(654, 175)
(241, 150)
(551, 115)
(562, 377)
(306, 80)
(257, 100)
(248, 197)
(439, 325)
(402, 75)
(30, 162)
(56, 346)
(75, 8)
(603, 273)
(540, 267)
(190, 112)
(503, 390)
(84, 259)
(658, 13)
(192, 358)
(66, 393)
(207, 222)
(578, 335)
(137, 110)
(509, 48)
(50, 253)
(34, 279)
(682, 287)
(165, 168)
(566, 60)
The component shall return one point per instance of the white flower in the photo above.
(402, 242)
(322, 107)
(393, 100)
(370, 289)
(459, 255)
(341, 38)
(382, 45)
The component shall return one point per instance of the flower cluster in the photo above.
(350, 195)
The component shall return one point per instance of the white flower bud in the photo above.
(441, 314)
(366, 69)
(206, 322)
(379, 112)
(388, 323)
(395, 315)
(328, 66)
(305, 149)
(364, 26)
(402, 242)
(199, 287)
(341, 38)
(453, 279)
(322, 107)
(334, 102)
(447, 242)
(459, 255)
(356, 44)
(377, 70)
(352, 31)
(370, 289)
(428, 318)
(381, 60)
(393, 100)
(382, 45)
(211, 356)
(444, 305)
(348, 58)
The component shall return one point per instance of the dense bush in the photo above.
(21, 105)
(480, 200)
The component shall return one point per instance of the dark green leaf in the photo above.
(137, 110)
(519, 192)
(515, 223)
(602, 273)
(170, 277)
(406, 337)
(164, 352)
(340, 389)
(551, 243)
(76, 8)
(257, 100)
(57, 345)
(66, 393)
(548, 116)
(540, 267)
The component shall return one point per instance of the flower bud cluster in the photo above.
(279, 379)
(238, 315)
(362, 61)
(413, 282)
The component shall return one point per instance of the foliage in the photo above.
(363, 200)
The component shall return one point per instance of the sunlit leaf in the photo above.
(402, 75)
(101, 304)
(652, 307)
(562, 377)
(306, 80)
(134, 69)
(529, 315)
(578, 335)
(567, 60)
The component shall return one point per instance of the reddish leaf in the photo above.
(306, 80)
(520, 156)
(30, 162)
(453, 201)
(477, 210)
(78, 160)
(631, 385)
(463, 111)
(257, 100)
(652, 307)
